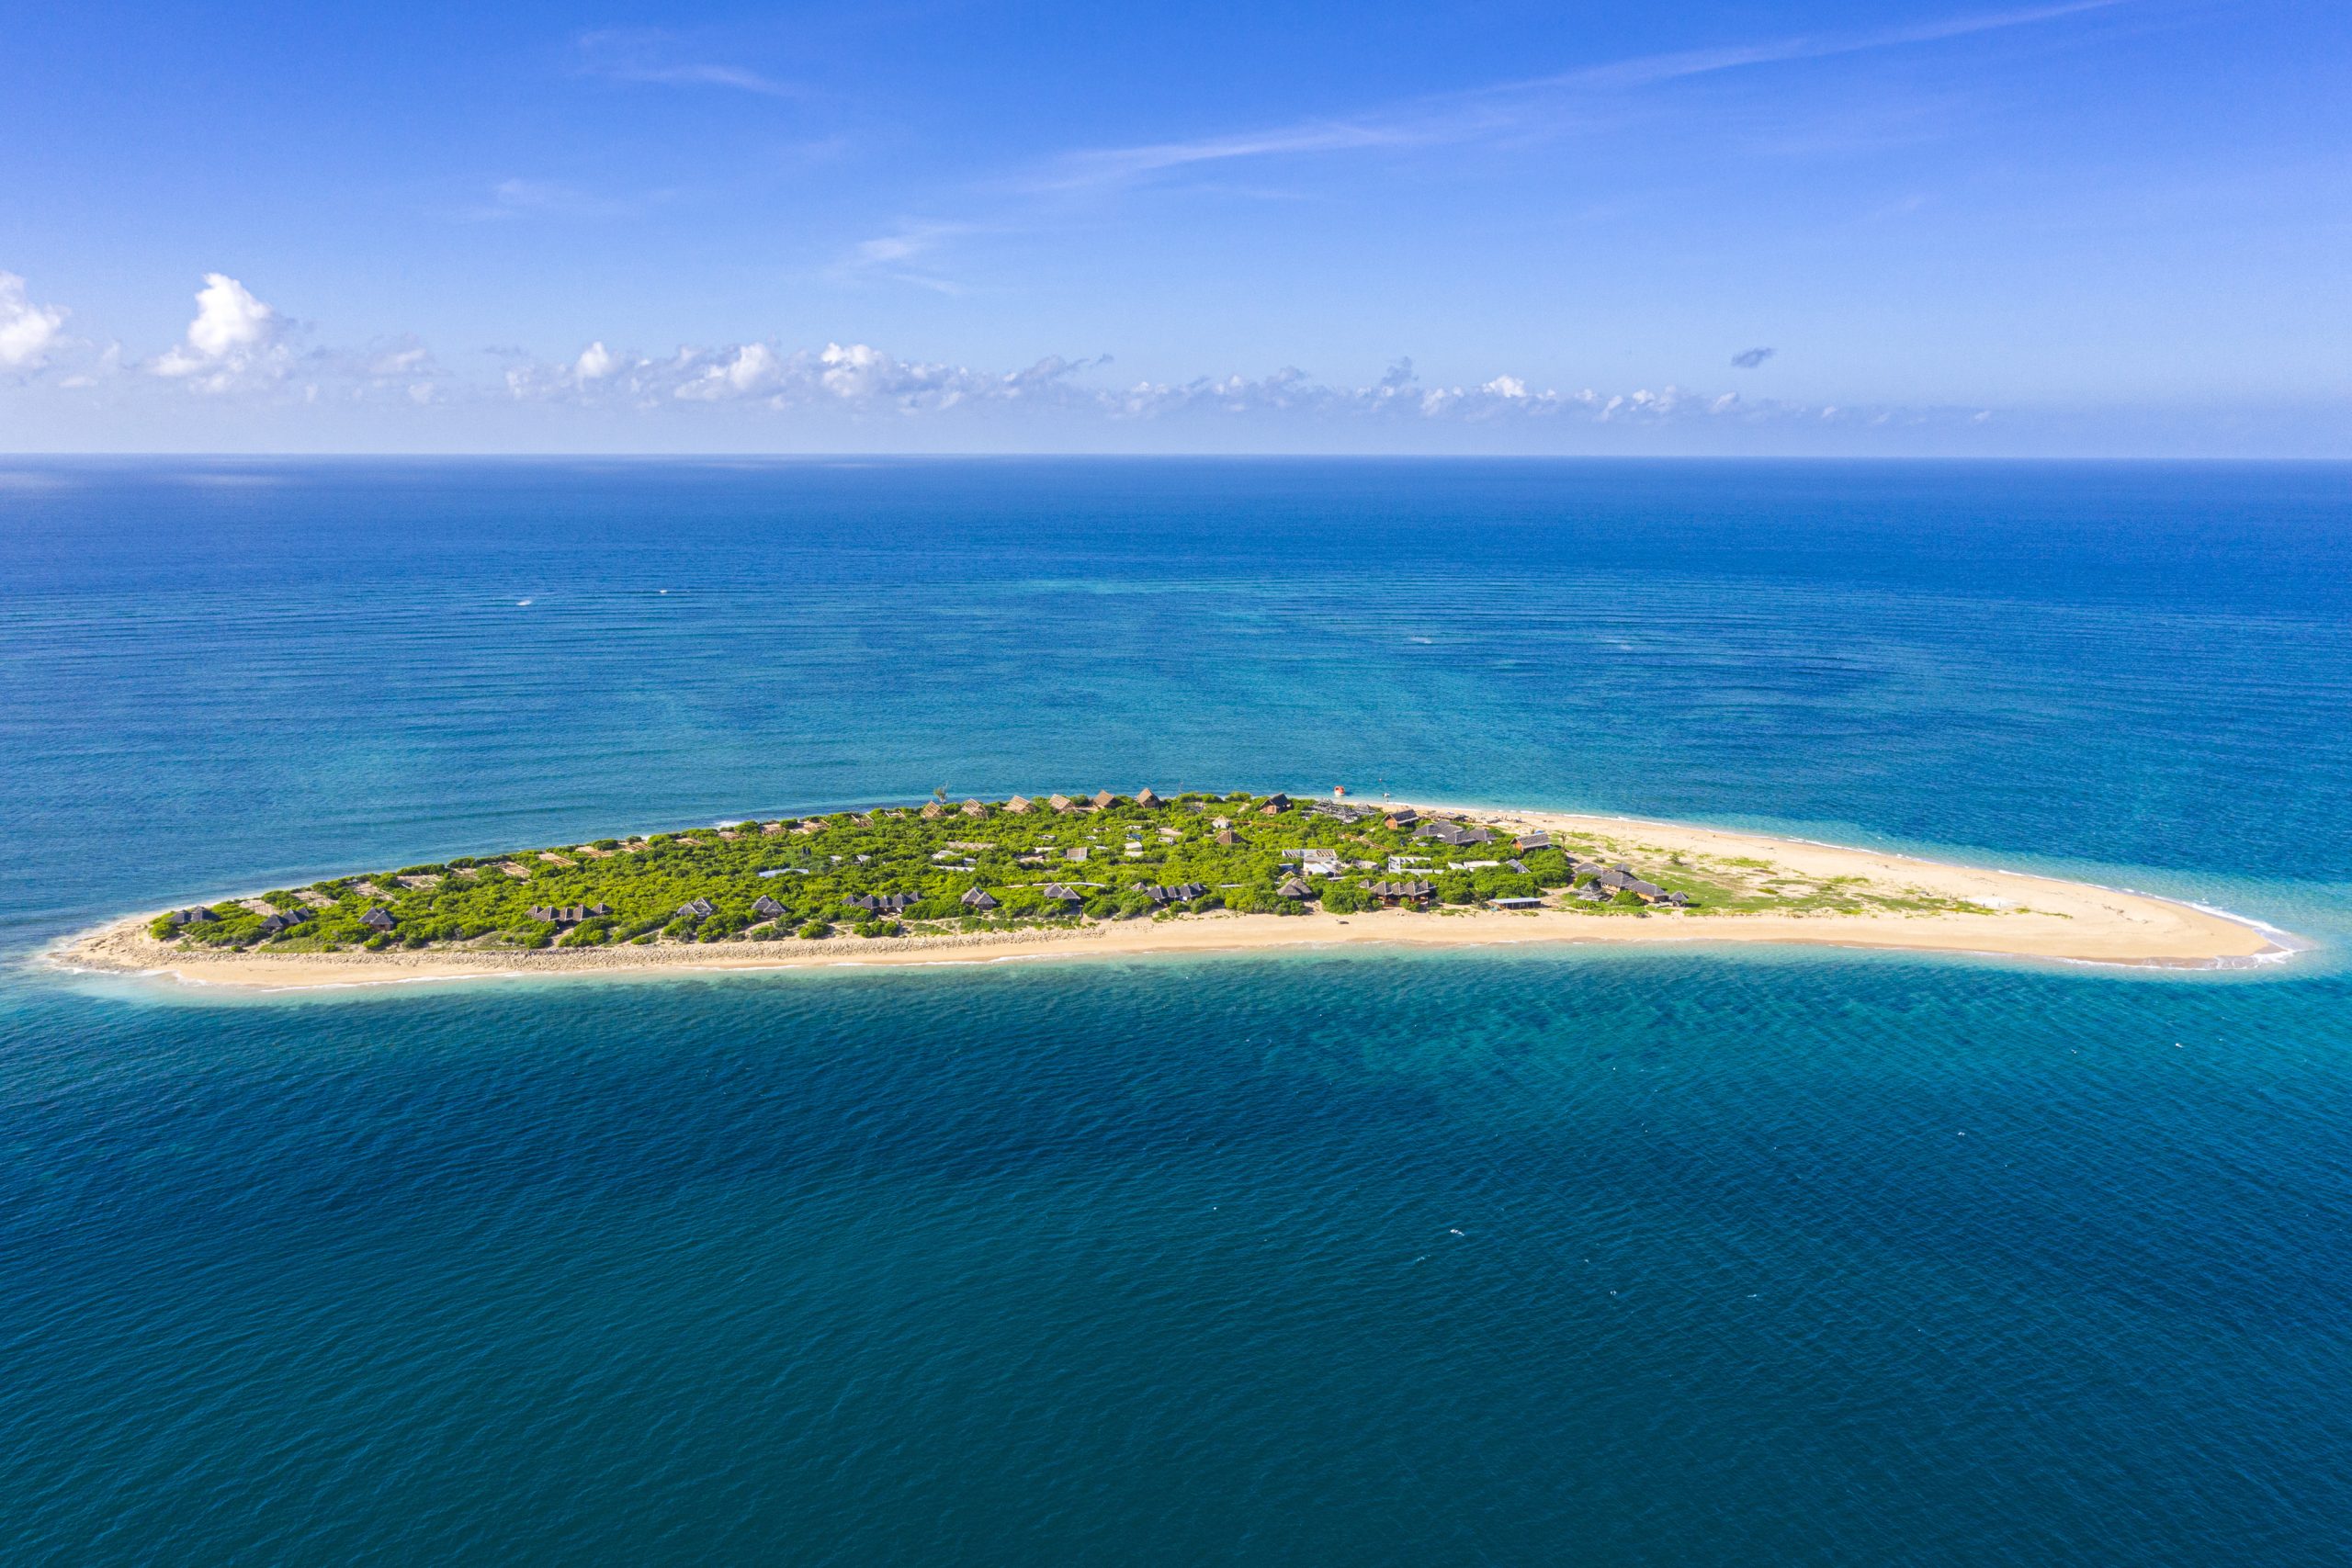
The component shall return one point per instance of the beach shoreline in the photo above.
(2023, 916)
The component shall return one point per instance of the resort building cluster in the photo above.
(948, 865)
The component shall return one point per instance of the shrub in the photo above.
(1346, 898)
(1102, 907)
(1548, 867)
(816, 931)
(1457, 887)
(1208, 901)
(377, 942)
(1627, 898)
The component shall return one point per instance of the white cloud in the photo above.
(233, 340)
(594, 362)
(890, 255)
(523, 198)
(399, 362)
(1511, 110)
(754, 367)
(858, 379)
(27, 332)
(645, 55)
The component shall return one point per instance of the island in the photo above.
(983, 880)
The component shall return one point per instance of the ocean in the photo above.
(1674, 1256)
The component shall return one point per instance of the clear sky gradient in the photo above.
(1910, 226)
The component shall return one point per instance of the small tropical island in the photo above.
(977, 880)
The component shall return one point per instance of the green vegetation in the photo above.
(1122, 860)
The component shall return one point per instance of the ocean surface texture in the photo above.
(1508, 1256)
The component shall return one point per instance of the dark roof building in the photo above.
(697, 908)
(1527, 842)
(977, 899)
(376, 919)
(887, 904)
(199, 916)
(766, 907)
(1295, 888)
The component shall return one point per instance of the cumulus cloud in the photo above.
(753, 368)
(239, 344)
(1749, 359)
(233, 340)
(859, 378)
(28, 333)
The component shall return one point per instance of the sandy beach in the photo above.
(2022, 915)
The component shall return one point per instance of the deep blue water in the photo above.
(1761, 1256)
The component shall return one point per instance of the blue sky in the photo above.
(2106, 227)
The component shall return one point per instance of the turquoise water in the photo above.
(1480, 1257)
